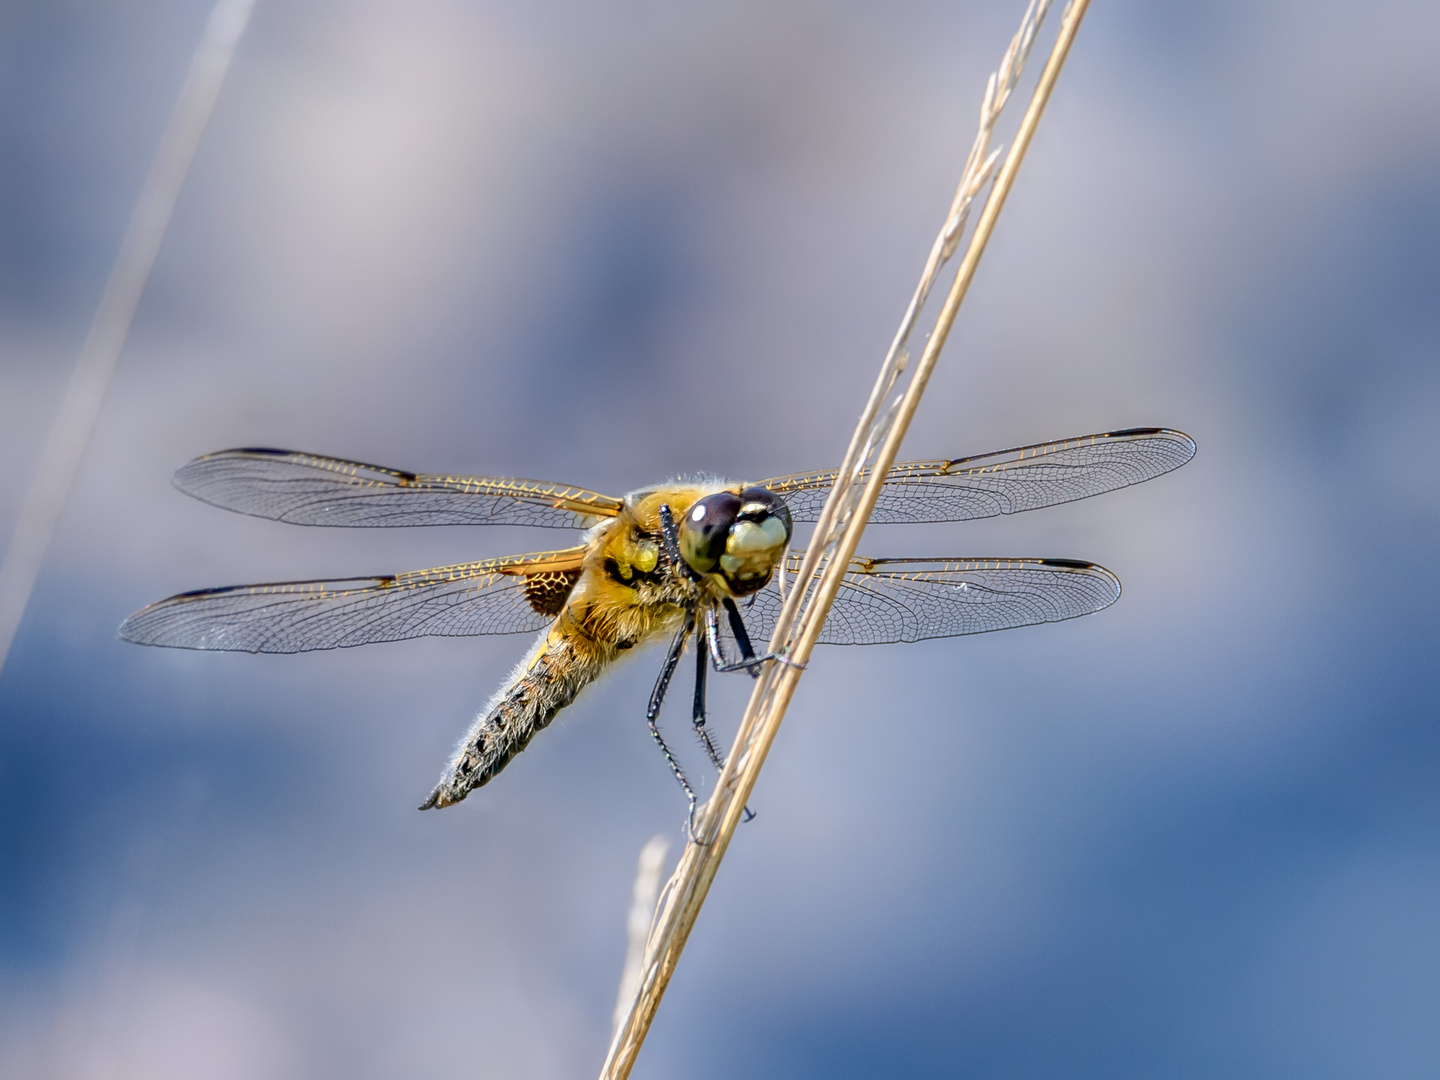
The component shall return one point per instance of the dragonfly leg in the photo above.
(748, 661)
(742, 637)
(702, 662)
(657, 698)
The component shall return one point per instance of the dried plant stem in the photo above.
(637, 925)
(60, 460)
(872, 451)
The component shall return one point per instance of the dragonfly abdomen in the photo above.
(549, 679)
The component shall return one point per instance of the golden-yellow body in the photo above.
(625, 593)
(633, 581)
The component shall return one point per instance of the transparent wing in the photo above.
(1005, 482)
(310, 489)
(889, 600)
(497, 596)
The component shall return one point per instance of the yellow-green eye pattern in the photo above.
(751, 537)
(739, 536)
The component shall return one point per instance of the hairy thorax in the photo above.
(629, 593)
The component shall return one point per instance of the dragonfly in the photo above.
(700, 562)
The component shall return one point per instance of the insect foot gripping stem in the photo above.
(544, 683)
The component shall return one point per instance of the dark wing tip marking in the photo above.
(182, 475)
(1173, 434)
(1071, 564)
(1122, 434)
(1135, 432)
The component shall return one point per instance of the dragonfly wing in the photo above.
(889, 600)
(496, 596)
(311, 489)
(1005, 482)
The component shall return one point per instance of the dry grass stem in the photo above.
(60, 460)
(872, 451)
(642, 909)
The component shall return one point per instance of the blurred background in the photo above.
(1195, 835)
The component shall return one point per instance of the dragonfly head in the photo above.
(739, 535)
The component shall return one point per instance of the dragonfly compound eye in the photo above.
(756, 540)
(705, 528)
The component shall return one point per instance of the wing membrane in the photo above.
(889, 600)
(311, 489)
(496, 596)
(1005, 482)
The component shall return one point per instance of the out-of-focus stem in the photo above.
(637, 925)
(60, 460)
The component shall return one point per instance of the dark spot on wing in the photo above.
(546, 593)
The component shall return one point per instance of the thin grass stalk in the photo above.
(64, 449)
(814, 617)
(872, 452)
(839, 510)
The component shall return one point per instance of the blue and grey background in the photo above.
(1195, 835)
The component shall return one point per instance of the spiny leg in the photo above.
(702, 662)
(699, 714)
(657, 698)
(747, 663)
